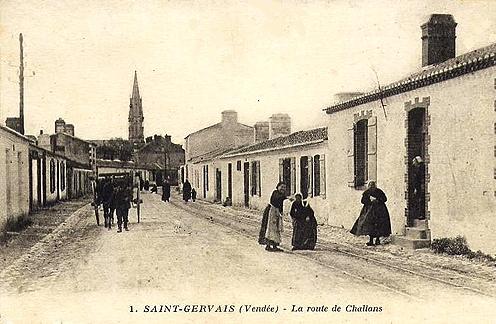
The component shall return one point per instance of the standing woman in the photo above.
(166, 190)
(304, 225)
(274, 218)
(374, 218)
(186, 190)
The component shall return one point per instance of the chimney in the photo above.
(261, 131)
(69, 129)
(229, 118)
(59, 126)
(279, 125)
(438, 39)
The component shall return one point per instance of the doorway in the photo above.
(218, 185)
(229, 180)
(246, 183)
(416, 149)
(304, 183)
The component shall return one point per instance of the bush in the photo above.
(458, 246)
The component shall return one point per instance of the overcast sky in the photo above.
(197, 58)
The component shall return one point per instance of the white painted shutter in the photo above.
(310, 176)
(322, 176)
(372, 148)
(351, 157)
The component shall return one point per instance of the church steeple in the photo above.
(135, 115)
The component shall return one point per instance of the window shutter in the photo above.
(310, 176)
(293, 175)
(351, 157)
(280, 169)
(372, 148)
(259, 180)
(322, 176)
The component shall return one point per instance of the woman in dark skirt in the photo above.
(304, 225)
(374, 218)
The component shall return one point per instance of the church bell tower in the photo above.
(136, 136)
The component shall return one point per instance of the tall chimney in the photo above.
(261, 131)
(59, 126)
(229, 118)
(279, 125)
(438, 39)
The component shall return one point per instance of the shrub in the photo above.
(458, 246)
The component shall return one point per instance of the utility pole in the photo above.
(21, 87)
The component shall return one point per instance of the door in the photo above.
(229, 180)
(304, 185)
(416, 170)
(246, 183)
(218, 185)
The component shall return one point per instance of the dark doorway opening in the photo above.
(286, 175)
(246, 183)
(229, 180)
(304, 179)
(416, 170)
(218, 185)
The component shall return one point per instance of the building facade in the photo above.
(445, 114)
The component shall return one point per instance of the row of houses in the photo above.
(445, 112)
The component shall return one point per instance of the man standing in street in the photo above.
(166, 190)
(123, 197)
(108, 204)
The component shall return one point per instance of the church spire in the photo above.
(135, 86)
(135, 119)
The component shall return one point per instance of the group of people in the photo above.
(188, 191)
(373, 220)
(304, 222)
(115, 195)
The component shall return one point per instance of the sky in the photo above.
(195, 59)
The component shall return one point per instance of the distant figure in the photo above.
(166, 190)
(304, 225)
(417, 188)
(186, 191)
(274, 218)
(154, 188)
(123, 197)
(146, 186)
(193, 194)
(108, 203)
(374, 218)
(141, 183)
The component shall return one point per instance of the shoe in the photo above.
(276, 249)
(126, 229)
(370, 243)
(119, 230)
(269, 248)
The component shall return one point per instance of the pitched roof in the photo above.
(306, 137)
(210, 155)
(472, 61)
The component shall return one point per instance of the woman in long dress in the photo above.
(374, 218)
(274, 218)
(304, 225)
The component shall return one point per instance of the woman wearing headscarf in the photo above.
(304, 225)
(274, 218)
(374, 218)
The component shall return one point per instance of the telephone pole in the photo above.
(21, 87)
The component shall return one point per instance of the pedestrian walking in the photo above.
(193, 194)
(274, 218)
(166, 190)
(374, 218)
(123, 197)
(186, 191)
(108, 203)
(304, 225)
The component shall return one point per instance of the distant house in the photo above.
(444, 113)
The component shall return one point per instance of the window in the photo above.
(362, 152)
(62, 176)
(319, 182)
(52, 176)
(305, 176)
(255, 179)
(238, 165)
(360, 142)
(205, 181)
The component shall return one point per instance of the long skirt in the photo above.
(274, 225)
(304, 234)
(263, 228)
(374, 221)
